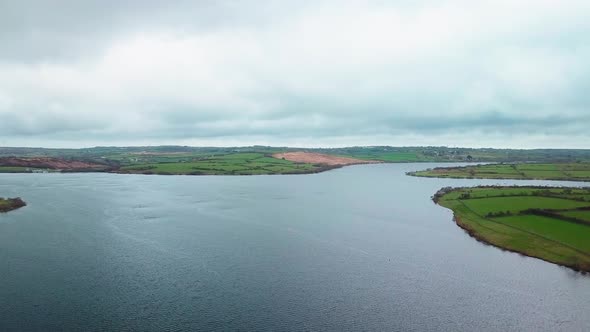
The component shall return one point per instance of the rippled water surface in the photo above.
(359, 248)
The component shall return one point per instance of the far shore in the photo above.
(231, 164)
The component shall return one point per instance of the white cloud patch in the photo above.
(312, 73)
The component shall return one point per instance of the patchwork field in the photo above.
(552, 224)
(230, 164)
(558, 171)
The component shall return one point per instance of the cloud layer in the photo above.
(321, 73)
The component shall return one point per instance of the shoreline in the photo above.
(212, 174)
(490, 178)
(322, 169)
(230, 164)
(495, 238)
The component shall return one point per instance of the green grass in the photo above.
(515, 204)
(18, 169)
(538, 167)
(579, 174)
(557, 171)
(572, 234)
(387, 156)
(231, 164)
(556, 231)
(14, 169)
(578, 214)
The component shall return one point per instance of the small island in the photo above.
(549, 223)
(9, 204)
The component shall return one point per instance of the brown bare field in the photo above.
(321, 159)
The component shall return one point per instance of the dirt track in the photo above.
(321, 159)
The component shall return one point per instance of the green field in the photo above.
(15, 169)
(558, 171)
(578, 214)
(392, 157)
(230, 164)
(552, 224)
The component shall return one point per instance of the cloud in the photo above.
(316, 73)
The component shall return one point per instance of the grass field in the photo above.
(578, 214)
(230, 164)
(552, 224)
(558, 171)
(15, 169)
(393, 157)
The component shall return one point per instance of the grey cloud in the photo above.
(63, 30)
(156, 71)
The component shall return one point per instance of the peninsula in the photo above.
(550, 223)
(562, 171)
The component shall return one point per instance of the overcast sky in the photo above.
(499, 73)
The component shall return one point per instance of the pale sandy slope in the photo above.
(323, 159)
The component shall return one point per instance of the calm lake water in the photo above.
(358, 248)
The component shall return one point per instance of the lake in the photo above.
(357, 248)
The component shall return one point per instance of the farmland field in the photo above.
(230, 164)
(579, 214)
(552, 224)
(13, 169)
(557, 171)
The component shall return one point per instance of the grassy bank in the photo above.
(524, 171)
(552, 224)
(9, 204)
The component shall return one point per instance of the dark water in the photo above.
(360, 248)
